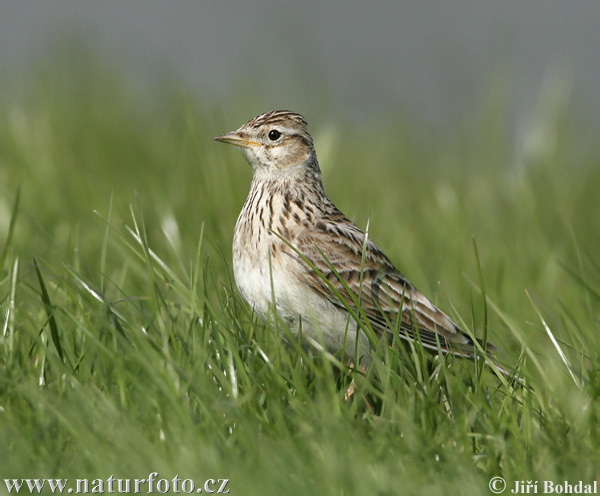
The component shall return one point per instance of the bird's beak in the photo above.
(235, 138)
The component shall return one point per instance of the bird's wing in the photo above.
(336, 250)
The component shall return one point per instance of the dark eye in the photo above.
(274, 135)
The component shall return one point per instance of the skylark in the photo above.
(294, 251)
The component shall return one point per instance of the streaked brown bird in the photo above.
(294, 251)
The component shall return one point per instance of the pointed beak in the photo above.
(237, 139)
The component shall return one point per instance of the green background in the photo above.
(128, 350)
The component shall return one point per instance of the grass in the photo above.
(126, 349)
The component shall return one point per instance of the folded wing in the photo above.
(387, 298)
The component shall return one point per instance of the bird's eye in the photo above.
(274, 135)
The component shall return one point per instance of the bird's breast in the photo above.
(270, 274)
(264, 264)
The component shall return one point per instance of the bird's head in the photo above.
(275, 142)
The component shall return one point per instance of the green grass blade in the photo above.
(555, 343)
(11, 227)
(50, 313)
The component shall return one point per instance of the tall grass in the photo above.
(126, 349)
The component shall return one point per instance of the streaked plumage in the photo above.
(287, 200)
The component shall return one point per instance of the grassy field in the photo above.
(125, 348)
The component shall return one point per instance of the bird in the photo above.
(295, 252)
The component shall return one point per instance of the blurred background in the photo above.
(448, 118)
(358, 60)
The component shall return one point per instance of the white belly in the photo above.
(324, 324)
